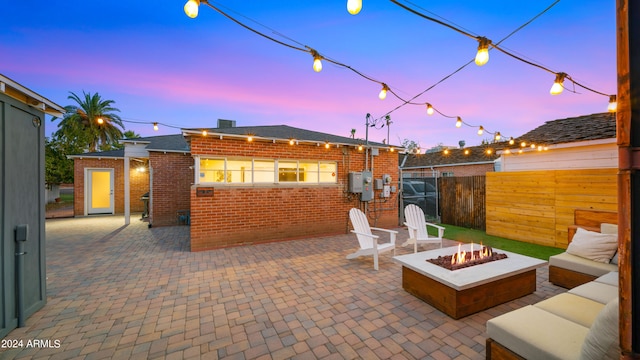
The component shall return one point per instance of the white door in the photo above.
(99, 191)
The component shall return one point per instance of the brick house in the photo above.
(247, 185)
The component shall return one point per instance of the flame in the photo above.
(460, 257)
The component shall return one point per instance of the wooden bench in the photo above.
(587, 219)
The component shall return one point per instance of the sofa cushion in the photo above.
(580, 264)
(609, 278)
(610, 229)
(602, 340)
(593, 245)
(534, 333)
(572, 307)
(596, 291)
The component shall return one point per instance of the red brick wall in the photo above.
(138, 183)
(172, 179)
(239, 215)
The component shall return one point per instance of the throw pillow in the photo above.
(602, 339)
(593, 245)
(610, 229)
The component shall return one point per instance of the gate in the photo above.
(463, 201)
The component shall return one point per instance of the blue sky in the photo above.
(159, 65)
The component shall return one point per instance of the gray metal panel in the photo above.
(23, 203)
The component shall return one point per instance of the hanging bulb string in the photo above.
(496, 46)
(469, 62)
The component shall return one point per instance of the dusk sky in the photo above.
(159, 65)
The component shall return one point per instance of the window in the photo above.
(256, 171)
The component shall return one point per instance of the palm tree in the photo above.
(94, 118)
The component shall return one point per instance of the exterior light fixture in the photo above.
(489, 151)
(354, 6)
(511, 141)
(540, 147)
(458, 122)
(429, 109)
(482, 57)
(497, 136)
(250, 138)
(326, 145)
(204, 132)
(446, 151)
(391, 149)
(533, 146)
(480, 130)
(100, 121)
(383, 92)
(523, 144)
(291, 142)
(557, 87)
(141, 169)
(191, 8)
(317, 61)
(359, 147)
(507, 151)
(466, 151)
(613, 103)
(155, 126)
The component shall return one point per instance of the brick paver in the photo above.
(135, 292)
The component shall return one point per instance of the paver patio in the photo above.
(138, 293)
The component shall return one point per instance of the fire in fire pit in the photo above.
(463, 259)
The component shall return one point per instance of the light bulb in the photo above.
(291, 142)
(250, 139)
(354, 6)
(317, 64)
(480, 130)
(155, 126)
(191, 8)
(204, 132)
(459, 122)
(613, 103)
(383, 92)
(482, 56)
(100, 121)
(511, 141)
(557, 87)
(429, 109)
(359, 147)
(497, 136)
(326, 145)
(446, 151)
(391, 150)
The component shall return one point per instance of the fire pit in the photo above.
(467, 290)
(462, 259)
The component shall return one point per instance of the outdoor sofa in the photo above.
(579, 324)
(593, 255)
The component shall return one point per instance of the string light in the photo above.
(383, 92)
(429, 109)
(482, 57)
(497, 136)
(511, 141)
(155, 126)
(480, 130)
(317, 61)
(446, 151)
(354, 6)
(100, 121)
(458, 122)
(557, 87)
(191, 8)
(613, 103)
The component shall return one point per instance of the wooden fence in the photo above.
(462, 201)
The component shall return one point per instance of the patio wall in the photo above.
(538, 206)
(250, 214)
(172, 179)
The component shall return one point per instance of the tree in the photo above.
(94, 118)
(410, 146)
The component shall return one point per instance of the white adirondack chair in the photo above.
(368, 241)
(417, 225)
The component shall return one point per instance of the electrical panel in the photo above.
(377, 184)
(367, 186)
(386, 191)
(355, 182)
